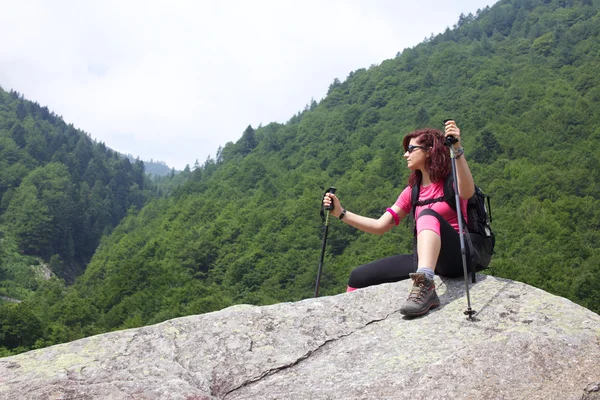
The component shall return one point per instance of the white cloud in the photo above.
(173, 80)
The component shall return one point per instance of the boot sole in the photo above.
(423, 312)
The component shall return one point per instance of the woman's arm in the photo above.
(466, 185)
(366, 224)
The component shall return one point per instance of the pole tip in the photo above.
(470, 314)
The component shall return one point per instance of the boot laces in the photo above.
(418, 290)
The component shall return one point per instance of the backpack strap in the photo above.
(414, 198)
(489, 209)
(429, 201)
(449, 194)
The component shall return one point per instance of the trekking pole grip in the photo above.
(325, 210)
(450, 140)
(330, 190)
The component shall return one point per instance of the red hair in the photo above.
(438, 163)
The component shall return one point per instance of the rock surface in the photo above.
(523, 344)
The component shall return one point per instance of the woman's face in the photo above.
(416, 155)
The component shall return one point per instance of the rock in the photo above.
(9, 299)
(523, 344)
(43, 271)
(591, 392)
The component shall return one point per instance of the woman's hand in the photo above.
(452, 130)
(466, 186)
(329, 199)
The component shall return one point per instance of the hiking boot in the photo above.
(422, 296)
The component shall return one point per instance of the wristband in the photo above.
(394, 215)
(459, 152)
(342, 214)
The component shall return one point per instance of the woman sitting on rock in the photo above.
(437, 242)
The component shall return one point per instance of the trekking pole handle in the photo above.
(450, 140)
(330, 190)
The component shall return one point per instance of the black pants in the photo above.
(397, 268)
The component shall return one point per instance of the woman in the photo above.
(438, 240)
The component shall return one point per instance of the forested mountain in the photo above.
(59, 189)
(522, 80)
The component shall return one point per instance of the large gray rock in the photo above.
(523, 344)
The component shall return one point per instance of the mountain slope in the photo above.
(59, 189)
(520, 78)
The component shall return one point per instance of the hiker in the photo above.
(437, 246)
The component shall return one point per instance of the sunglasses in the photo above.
(412, 147)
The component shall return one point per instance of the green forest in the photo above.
(89, 243)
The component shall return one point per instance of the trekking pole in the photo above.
(450, 140)
(325, 218)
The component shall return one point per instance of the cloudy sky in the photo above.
(174, 80)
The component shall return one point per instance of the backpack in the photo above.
(479, 234)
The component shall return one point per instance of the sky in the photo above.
(173, 80)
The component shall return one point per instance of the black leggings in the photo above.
(397, 268)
